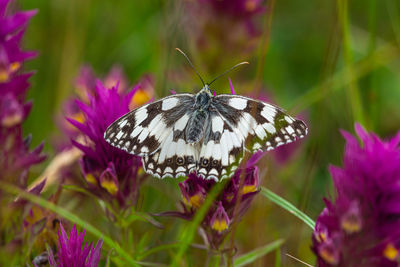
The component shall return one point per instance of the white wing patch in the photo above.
(169, 103)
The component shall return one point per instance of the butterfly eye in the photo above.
(180, 160)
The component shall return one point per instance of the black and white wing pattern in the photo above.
(206, 134)
(222, 147)
(156, 133)
(238, 124)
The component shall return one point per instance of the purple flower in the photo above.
(237, 9)
(221, 213)
(15, 157)
(110, 173)
(71, 253)
(361, 226)
(222, 28)
(220, 220)
(85, 85)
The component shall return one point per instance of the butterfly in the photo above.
(203, 133)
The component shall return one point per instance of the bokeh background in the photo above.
(332, 63)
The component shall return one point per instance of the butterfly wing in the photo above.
(144, 129)
(221, 150)
(175, 158)
(156, 132)
(263, 126)
(240, 123)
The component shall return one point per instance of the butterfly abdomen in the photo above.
(196, 126)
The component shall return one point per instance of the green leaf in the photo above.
(257, 253)
(287, 206)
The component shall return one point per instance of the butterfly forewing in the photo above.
(143, 130)
(263, 126)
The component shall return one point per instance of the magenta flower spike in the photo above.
(220, 216)
(231, 86)
(360, 227)
(16, 158)
(72, 253)
(110, 172)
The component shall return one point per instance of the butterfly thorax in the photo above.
(198, 120)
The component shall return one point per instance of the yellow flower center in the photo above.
(139, 98)
(219, 225)
(11, 120)
(328, 256)
(321, 237)
(249, 189)
(15, 66)
(4, 76)
(390, 252)
(5, 72)
(194, 201)
(91, 179)
(110, 186)
(351, 225)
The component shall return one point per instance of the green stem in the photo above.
(213, 259)
(353, 92)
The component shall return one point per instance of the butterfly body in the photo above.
(201, 133)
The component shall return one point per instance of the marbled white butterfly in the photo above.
(201, 133)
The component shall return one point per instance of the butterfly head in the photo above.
(203, 98)
(206, 89)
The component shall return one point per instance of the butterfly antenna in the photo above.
(234, 67)
(191, 64)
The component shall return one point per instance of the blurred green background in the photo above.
(331, 61)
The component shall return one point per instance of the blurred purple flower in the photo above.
(71, 253)
(221, 214)
(361, 227)
(222, 28)
(110, 172)
(85, 86)
(15, 157)
(238, 9)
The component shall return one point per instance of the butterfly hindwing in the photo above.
(143, 130)
(173, 159)
(221, 149)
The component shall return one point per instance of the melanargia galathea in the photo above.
(201, 133)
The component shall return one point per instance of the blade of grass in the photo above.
(394, 16)
(257, 253)
(353, 92)
(287, 206)
(189, 232)
(278, 260)
(71, 217)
